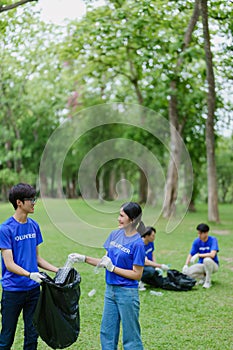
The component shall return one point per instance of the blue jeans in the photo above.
(12, 304)
(121, 304)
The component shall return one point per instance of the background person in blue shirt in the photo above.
(19, 240)
(152, 273)
(205, 249)
(124, 263)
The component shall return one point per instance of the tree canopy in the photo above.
(146, 53)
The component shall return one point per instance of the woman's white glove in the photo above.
(164, 267)
(107, 263)
(194, 258)
(36, 276)
(75, 257)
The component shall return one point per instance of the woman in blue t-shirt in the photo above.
(124, 263)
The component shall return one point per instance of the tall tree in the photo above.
(131, 47)
(177, 125)
(213, 214)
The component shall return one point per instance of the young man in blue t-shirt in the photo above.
(20, 237)
(152, 273)
(205, 249)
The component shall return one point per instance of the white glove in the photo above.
(107, 263)
(164, 267)
(194, 258)
(160, 271)
(77, 257)
(36, 276)
(185, 269)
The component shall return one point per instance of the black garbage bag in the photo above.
(178, 281)
(57, 317)
(156, 280)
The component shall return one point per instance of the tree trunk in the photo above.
(71, 187)
(18, 151)
(176, 128)
(171, 190)
(112, 185)
(44, 191)
(101, 186)
(143, 186)
(213, 214)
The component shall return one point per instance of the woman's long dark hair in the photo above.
(134, 212)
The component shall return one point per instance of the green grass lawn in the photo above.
(195, 320)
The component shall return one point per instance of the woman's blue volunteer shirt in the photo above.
(201, 247)
(124, 251)
(22, 239)
(149, 248)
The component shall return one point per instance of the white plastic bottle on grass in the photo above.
(91, 293)
(158, 294)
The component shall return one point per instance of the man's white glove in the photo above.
(160, 271)
(164, 267)
(185, 269)
(36, 276)
(194, 258)
(75, 257)
(107, 263)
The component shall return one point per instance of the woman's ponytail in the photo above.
(141, 228)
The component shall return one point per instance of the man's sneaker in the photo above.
(207, 285)
(141, 286)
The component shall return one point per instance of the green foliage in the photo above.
(224, 159)
(125, 51)
(9, 177)
(32, 94)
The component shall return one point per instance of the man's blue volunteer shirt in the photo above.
(22, 239)
(149, 248)
(205, 247)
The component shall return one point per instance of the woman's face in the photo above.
(123, 220)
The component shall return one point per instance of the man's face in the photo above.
(27, 205)
(151, 238)
(203, 236)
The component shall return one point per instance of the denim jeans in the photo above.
(121, 304)
(12, 304)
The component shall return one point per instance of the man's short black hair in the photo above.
(148, 231)
(203, 228)
(21, 191)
